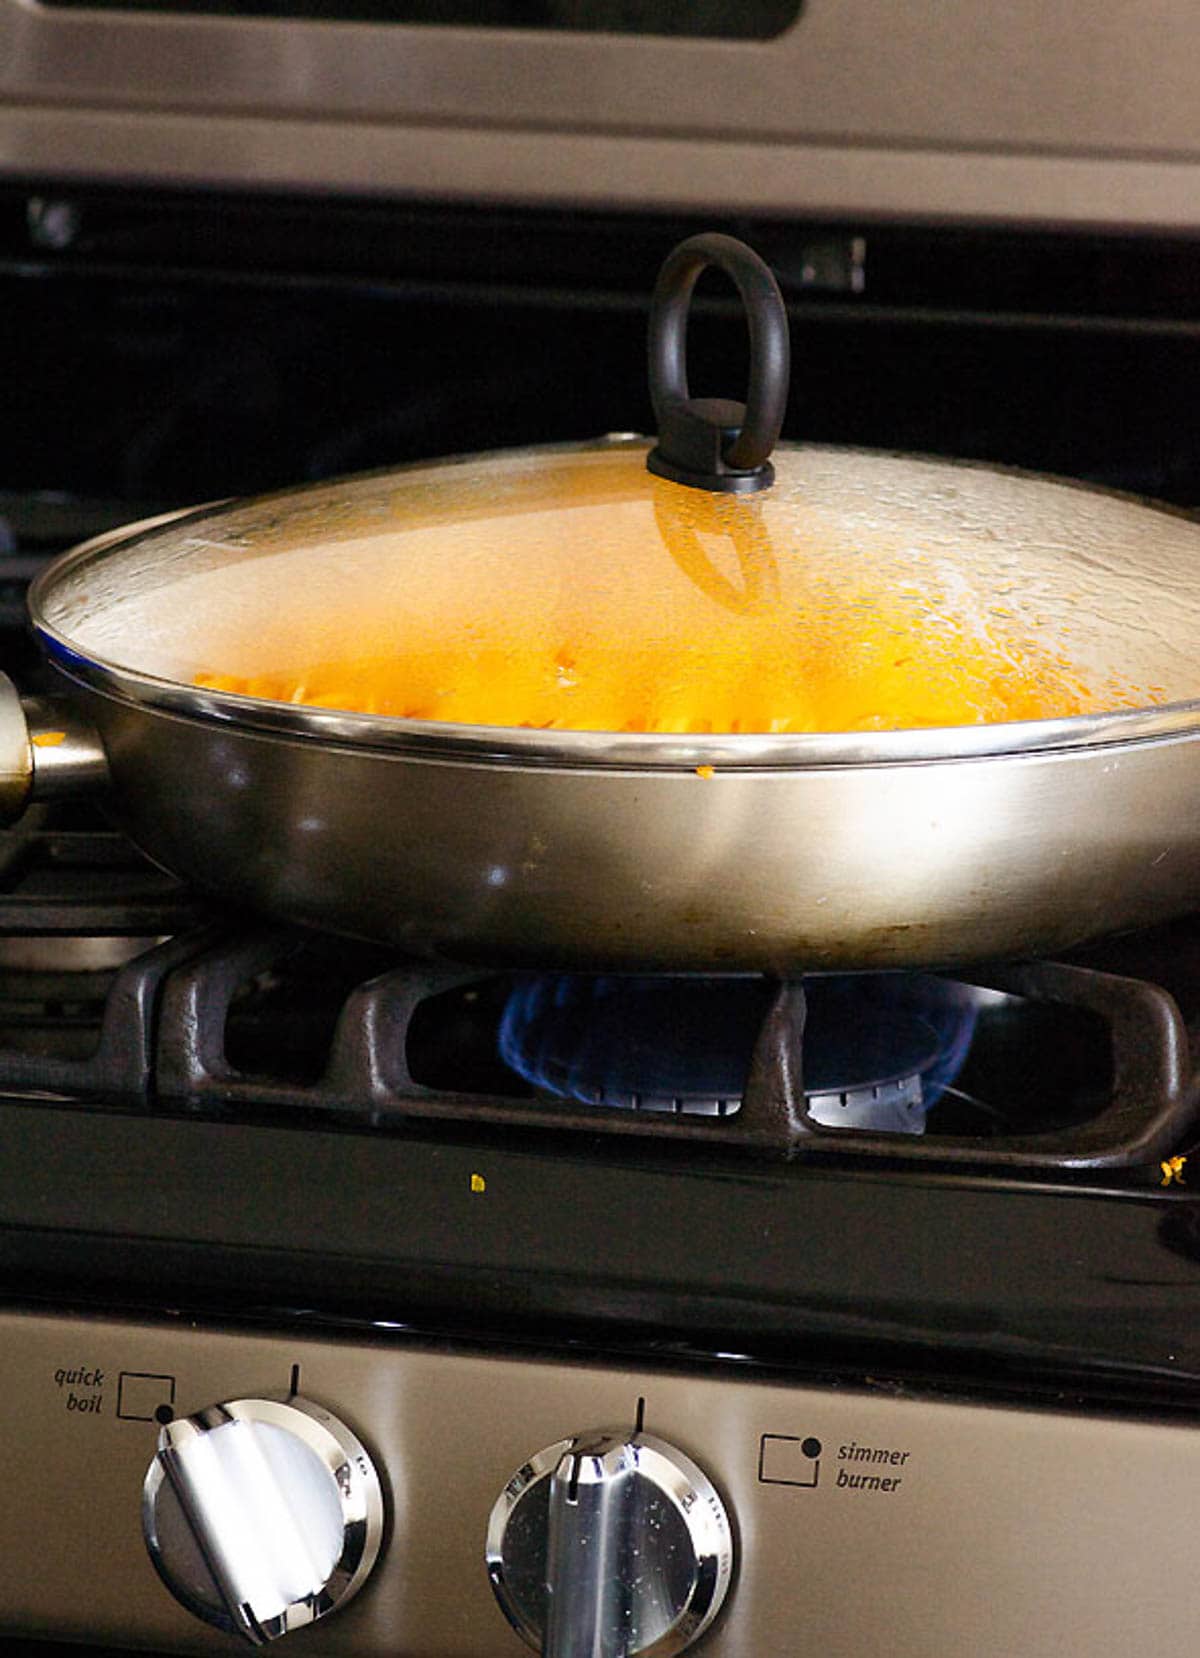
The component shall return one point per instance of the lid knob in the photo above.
(707, 442)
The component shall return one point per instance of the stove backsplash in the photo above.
(161, 350)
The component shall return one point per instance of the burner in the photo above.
(121, 990)
(879, 1049)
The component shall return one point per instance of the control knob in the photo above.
(262, 1515)
(610, 1545)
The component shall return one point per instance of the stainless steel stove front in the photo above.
(864, 1519)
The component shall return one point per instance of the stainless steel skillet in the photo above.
(656, 849)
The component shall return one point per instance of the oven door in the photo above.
(869, 107)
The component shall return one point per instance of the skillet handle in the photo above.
(47, 750)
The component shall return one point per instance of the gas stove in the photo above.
(857, 1304)
(298, 1176)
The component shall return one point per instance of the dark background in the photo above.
(162, 350)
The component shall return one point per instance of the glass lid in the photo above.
(572, 590)
(692, 593)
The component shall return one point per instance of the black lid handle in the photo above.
(709, 442)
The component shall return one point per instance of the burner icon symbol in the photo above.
(787, 1459)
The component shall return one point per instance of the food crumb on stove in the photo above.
(48, 739)
(706, 772)
(1172, 1171)
(478, 1183)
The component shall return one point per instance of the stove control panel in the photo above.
(867, 1519)
(262, 1515)
(611, 1544)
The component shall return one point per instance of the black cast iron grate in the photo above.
(66, 873)
(216, 1015)
(368, 1074)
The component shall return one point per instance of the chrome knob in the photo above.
(610, 1545)
(262, 1515)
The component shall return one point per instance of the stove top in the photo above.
(250, 1116)
(122, 989)
(204, 1113)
